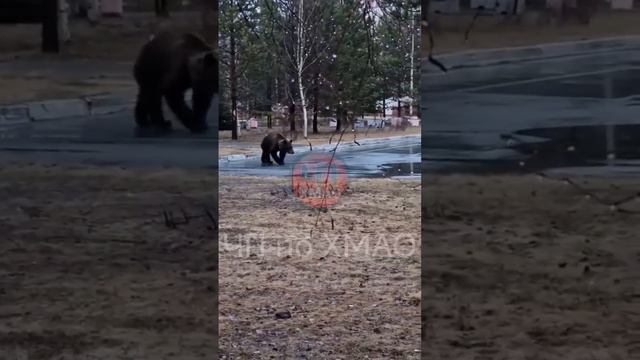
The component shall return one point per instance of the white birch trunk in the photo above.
(413, 19)
(303, 103)
(63, 21)
(300, 65)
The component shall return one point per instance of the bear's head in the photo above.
(203, 71)
(286, 146)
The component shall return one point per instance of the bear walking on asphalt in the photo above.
(166, 67)
(271, 145)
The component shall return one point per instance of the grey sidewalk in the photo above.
(67, 71)
(65, 108)
(486, 57)
(66, 67)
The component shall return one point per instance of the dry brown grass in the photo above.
(115, 40)
(343, 305)
(516, 267)
(90, 271)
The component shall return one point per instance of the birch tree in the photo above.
(337, 57)
(301, 54)
(304, 43)
(412, 30)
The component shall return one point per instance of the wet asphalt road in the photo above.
(104, 140)
(111, 140)
(571, 114)
(399, 156)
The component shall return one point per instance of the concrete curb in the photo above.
(64, 108)
(486, 57)
(14, 114)
(52, 109)
(320, 148)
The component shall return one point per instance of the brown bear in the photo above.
(271, 145)
(167, 66)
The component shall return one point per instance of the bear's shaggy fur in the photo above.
(166, 67)
(271, 145)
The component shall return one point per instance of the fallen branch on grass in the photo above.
(430, 57)
(410, 186)
(172, 222)
(293, 136)
(326, 181)
(612, 205)
(479, 11)
(355, 141)
(310, 147)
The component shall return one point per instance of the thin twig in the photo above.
(324, 193)
(612, 205)
(310, 146)
(431, 46)
(479, 11)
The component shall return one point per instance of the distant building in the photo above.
(391, 109)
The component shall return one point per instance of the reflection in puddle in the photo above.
(401, 169)
(598, 146)
(582, 145)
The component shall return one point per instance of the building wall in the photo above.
(148, 5)
(392, 111)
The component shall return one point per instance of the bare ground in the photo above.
(115, 40)
(90, 271)
(249, 141)
(526, 268)
(344, 302)
(18, 88)
(496, 32)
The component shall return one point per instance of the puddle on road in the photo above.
(384, 170)
(560, 147)
(400, 169)
(581, 145)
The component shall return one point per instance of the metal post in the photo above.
(609, 128)
(410, 161)
(50, 41)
